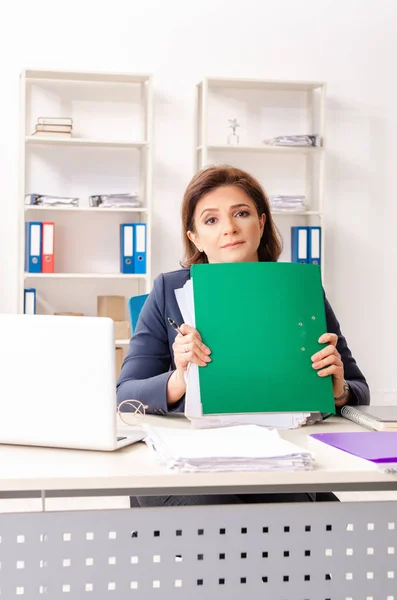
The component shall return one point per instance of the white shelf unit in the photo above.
(110, 152)
(266, 109)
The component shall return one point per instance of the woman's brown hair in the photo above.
(212, 177)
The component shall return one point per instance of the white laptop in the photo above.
(58, 383)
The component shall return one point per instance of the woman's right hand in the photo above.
(189, 348)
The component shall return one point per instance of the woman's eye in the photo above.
(210, 221)
(242, 213)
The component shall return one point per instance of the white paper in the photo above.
(239, 448)
(48, 239)
(315, 243)
(140, 238)
(128, 240)
(35, 234)
(29, 303)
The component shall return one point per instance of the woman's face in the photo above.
(227, 226)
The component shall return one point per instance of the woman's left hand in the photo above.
(329, 361)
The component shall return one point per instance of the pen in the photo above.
(174, 325)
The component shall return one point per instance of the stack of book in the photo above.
(53, 127)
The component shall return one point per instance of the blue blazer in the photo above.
(149, 362)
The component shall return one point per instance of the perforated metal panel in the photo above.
(323, 551)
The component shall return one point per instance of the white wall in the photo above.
(351, 45)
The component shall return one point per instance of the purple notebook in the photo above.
(377, 446)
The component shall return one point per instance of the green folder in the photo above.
(262, 322)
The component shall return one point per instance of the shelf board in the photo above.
(122, 342)
(87, 209)
(296, 213)
(263, 84)
(263, 148)
(82, 276)
(83, 142)
(86, 77)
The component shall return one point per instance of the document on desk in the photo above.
(262, 333)
(238, 448)
(379, 447)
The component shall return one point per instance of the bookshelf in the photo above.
(110, 152)
(266, 109)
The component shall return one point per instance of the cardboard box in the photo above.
(122, 330)
(69, 314)
(119, 361)
(112, 307)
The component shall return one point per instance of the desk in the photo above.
(283, 551)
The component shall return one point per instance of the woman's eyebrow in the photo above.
(211, 209)
(231, 207)
(239, 205)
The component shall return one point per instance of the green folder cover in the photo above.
(262, 322)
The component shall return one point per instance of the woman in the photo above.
(225, 218)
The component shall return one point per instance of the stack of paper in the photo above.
(42, 199)
(294, 140)
(114, 200)
(259, 364)
(279, 202)
(241, 448)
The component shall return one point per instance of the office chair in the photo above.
(135, 304)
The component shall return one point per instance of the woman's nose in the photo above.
(229, 227)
